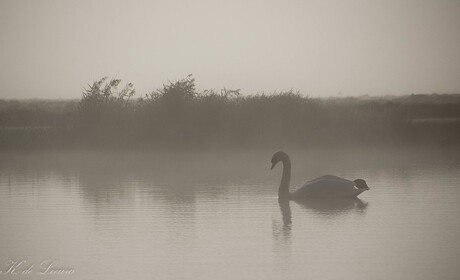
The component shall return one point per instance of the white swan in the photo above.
(327, 186)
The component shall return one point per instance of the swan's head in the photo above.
(277, 157)
(361, 184)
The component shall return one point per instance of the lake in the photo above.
(215, 215)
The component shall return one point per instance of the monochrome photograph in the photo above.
(233, 140)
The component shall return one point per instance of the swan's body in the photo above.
(327, 186)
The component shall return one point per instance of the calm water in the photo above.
(215, 215)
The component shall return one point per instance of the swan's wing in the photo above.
(358, 191)
(329, 178)
(327, 186)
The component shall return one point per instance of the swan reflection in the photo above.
(323, 207)
(334, 206)
(282, 230)
(285, 212)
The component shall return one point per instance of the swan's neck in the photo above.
(283, 191)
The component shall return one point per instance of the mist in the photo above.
(229, 139)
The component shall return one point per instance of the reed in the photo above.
(180, 116)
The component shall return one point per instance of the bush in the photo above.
(179, 115)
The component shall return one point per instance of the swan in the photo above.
(327, 186)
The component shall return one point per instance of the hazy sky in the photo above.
(52, 49)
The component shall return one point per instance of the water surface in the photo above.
(215, 215)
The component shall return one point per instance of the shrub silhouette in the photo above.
(179, 116)
(104, 111)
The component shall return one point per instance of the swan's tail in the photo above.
(361, 184)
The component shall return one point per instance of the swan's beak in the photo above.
(273, 165)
